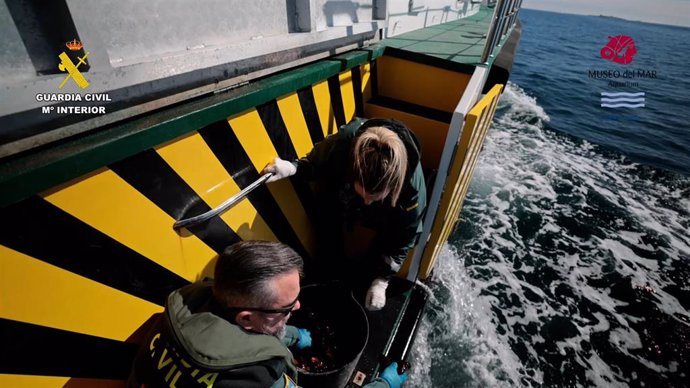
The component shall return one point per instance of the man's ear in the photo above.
(245, 319)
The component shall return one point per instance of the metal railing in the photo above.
(505, 15)
(230, 202)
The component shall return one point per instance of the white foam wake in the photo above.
(456, 344)
(519, 245)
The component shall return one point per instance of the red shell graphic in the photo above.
(619, 49)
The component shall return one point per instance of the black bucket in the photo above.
(340, 331)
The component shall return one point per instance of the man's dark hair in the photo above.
(244, 271)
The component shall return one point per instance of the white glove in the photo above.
(376, 296)
(280, 169)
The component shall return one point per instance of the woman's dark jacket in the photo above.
(397, 228)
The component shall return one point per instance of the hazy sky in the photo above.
(676, 12)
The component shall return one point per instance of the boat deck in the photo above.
(391, 330)
(460, 41)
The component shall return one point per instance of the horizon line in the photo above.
(606, 16)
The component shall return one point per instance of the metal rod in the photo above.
(230, 202)
(491, 35)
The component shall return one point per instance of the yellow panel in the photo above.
(467, 153)
(42, 294)
(291, 112)
(109, 204)
(473, 153)
(458, 176)
(348, 94)
(453, 213)
(431, 133)
(479, 142)
(26, 381)
(322, 97)
(211, 181)
(365, 71)
(252, 135)
(420, 84)
(485, 115)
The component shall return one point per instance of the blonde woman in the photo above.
(370, 195)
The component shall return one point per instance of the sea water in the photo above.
(571, 264)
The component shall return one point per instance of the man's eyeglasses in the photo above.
(282, 310)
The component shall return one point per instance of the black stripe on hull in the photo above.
(311, 114)
(276, 130)
(357, 86)
(336, 100)
(38, 350)
(41, 230)
(222, 140)
(278, 133)
(154, 178)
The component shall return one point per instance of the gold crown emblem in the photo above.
(74, 45)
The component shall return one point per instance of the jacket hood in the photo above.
(211, 341)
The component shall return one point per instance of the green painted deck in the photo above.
(460, 41)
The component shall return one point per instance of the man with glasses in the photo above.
(231, 332)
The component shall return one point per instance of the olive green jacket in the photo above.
(193, 346)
